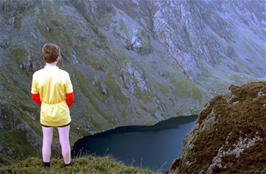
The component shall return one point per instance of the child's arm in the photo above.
(70, 99)
(34, 91)
(69, 92)
(36, 98)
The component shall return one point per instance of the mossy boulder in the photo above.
(230, 134)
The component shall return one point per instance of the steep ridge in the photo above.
(230, 134)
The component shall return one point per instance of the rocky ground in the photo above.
(230, 134)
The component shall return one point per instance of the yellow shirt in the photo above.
(52, 84)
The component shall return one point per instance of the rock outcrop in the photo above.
(230, 134)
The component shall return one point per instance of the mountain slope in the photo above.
(229, 136)
(129, 62)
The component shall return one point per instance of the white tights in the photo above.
(64, 142)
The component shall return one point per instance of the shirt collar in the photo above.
(47, 65)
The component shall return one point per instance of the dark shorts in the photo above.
(56, 126)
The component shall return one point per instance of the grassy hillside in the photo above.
(114, 85)
(84, 165)
(122, 71)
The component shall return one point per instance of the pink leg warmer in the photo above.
(64, 141)
(46, 143)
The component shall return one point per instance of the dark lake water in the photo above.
(154, 147)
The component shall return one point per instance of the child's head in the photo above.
(51, 52)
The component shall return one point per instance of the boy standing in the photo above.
(52, 90)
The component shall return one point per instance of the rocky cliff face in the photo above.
(131, 62)
(212, 40)
(230, 134)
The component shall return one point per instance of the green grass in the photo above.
(17, 53)
(184, 88)
(86, 165)
(19, 10)
(163, 88)
(104, 20)
(123, 27)
(88, 98)
(93, 96)
(115, 90)
(146, 97)
(51, 23)
(17, 141)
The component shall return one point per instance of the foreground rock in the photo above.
(230, 135)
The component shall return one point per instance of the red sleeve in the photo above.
(36, 98)
(70, 99)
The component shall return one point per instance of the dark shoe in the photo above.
(46, 164)
(69, 164)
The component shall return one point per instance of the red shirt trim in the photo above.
(36, 98)
(70, 99)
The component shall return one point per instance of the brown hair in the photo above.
(50, 52)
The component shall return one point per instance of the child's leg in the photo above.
(64, 141)
(46, 143)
